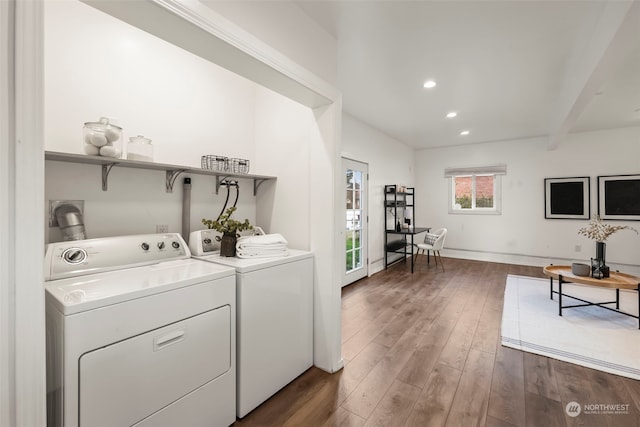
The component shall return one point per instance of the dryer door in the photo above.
(127, 381)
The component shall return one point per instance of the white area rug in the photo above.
(587, 336)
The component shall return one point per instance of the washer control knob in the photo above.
(176, 245)
(160, 245)
(74, 255)
(145, 246)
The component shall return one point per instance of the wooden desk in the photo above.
(616, 281)
(404, 243)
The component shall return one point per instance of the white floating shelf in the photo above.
(172, 171)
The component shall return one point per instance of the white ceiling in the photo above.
(511, 69)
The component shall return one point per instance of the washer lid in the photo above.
(78, 294)
(246, 265)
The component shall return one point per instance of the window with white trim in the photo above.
(475, 190)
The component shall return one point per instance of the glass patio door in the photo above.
(356, 260)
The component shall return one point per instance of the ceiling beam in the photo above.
(593, 61)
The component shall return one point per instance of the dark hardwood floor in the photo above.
(424, 350)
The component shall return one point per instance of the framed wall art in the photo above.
(567, 198)
(619, 197)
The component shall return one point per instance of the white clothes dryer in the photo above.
(138, 334)
(274, 321)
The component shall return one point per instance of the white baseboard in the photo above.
(376, 267)
(503, 258)
(517, 259)
(531, 260)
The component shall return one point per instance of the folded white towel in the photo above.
(272, 248)
(262, 254)
(266, 246)
(267, 239)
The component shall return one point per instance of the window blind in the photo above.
(476, 170)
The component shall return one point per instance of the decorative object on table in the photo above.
(140, 148)
(230, 229)
(600, 232)
(567, 198)
(408, 217)
(581, 269)
(102, 138)
(599, 267)
(619, 197)
(214, 162)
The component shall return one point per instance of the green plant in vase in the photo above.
(230, 229)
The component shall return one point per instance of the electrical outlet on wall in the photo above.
(578, 248)
(162, 228)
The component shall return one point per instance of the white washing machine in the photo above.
(138, 334)
(274, 322)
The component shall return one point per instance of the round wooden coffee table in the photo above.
(616, 280)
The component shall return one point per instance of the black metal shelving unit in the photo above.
(396, 200)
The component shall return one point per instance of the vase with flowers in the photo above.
(230, 229)
(600, 232)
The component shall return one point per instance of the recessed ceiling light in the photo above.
(429, 84)
(465, 132)
(451, 115)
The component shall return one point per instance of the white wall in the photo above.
(285, 27)
(22, 319)
(283, 130)
(7, 216)
(521, 234)
(390, 162)
(188, 107)
(97, 65)
(136, 200)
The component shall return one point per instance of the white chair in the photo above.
(433, 242)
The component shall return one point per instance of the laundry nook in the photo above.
(179, 291)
